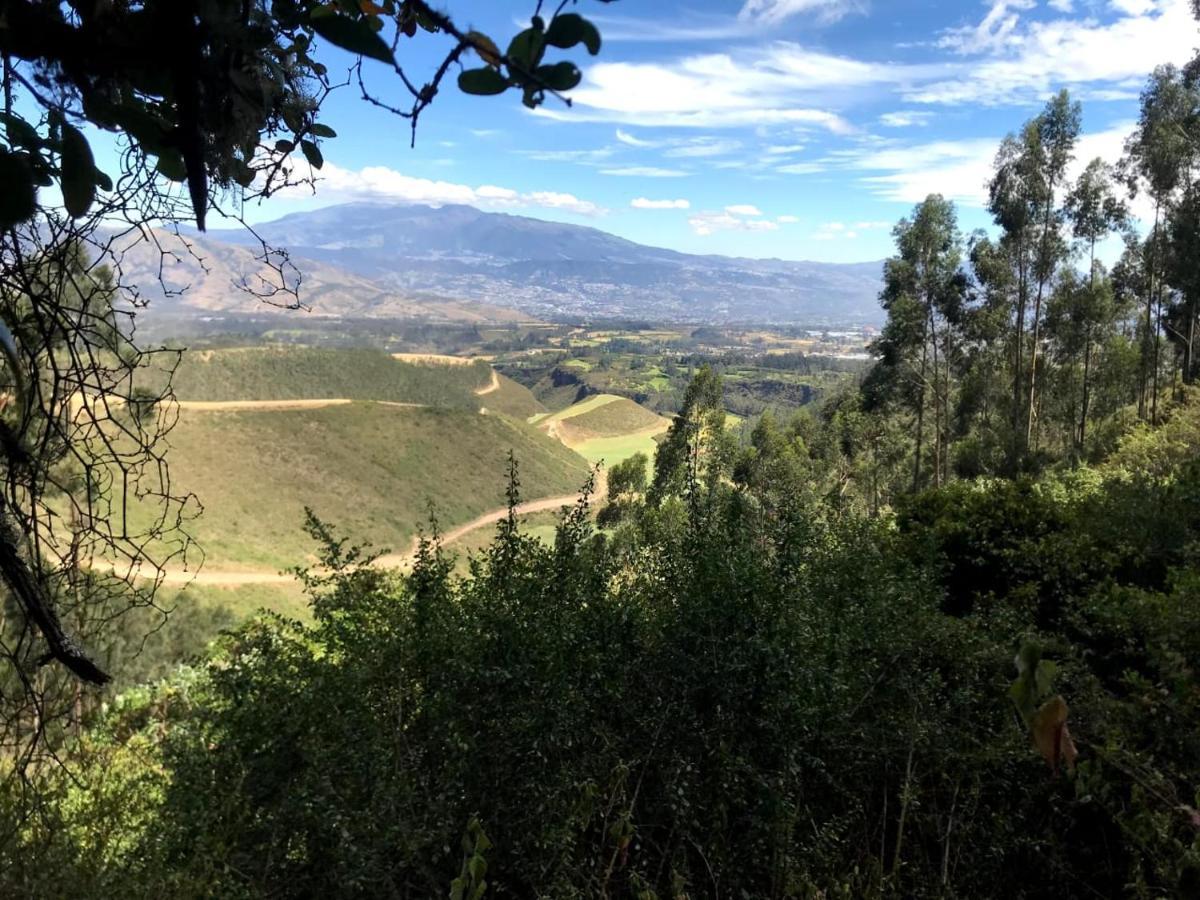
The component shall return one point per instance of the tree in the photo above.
(1094, 211)
(1023, 199)
(922, 295)
(1158, 157)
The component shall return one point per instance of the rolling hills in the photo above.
(605, 428)
(369, 468)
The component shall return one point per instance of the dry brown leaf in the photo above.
(1051, 735)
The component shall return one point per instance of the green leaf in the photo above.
(570, 29)
(526, 48)
(78, 172)
(354, 35)
(323, 131)
(284, 146)
(482, 82)
(103, 181)
(313, 154)
(18, 200)
(560, 77)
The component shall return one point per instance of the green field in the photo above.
(301, 373)
(619, 417)
(367, 468)
(612, 450)
(606, 428)
(584, 406)
(511, 399)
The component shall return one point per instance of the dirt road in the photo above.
(239, 578)
(494, 386)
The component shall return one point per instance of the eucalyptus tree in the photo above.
(922, 295)
(1023, 195)
(1158, 158)
(1094, 211)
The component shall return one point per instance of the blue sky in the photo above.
(800, 129)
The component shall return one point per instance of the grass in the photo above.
(369, 469)
(512, 399)
(620, 417)
(612, 450)
(246, 600)
(300, 373)
(584, 406)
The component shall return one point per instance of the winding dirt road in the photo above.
(240, 578)
(235, 578)
(494, 386)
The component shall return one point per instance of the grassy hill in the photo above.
(368, 468)
(605, 428)
(512, 399)
(301, 373)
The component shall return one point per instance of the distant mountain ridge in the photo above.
(549, 270)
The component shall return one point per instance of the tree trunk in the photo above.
(1189, 362)
(1042, 277)
(937, 403)
(921, 407)
(1015, 443)
(1145, 375)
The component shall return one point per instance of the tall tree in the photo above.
(1094, 211)
(1157, 159)
(922, 294)
(1023, 200)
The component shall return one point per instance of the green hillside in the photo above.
(618, 417)
(512, 399)
(300, 373)
(368, 468)
(605, 428)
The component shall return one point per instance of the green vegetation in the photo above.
(611, 419)
(373, 468)
(745, 684)
(764, 371)
(297, 373)
(929, 634)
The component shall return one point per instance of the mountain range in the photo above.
(459, 263)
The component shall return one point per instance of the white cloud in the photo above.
(773, 12)
(644, 203)
(1028, 61)
(703, 147)
(382, 183)
(743, 209)
(706, 223)
(644, 172)
(1063, 6)
(584, 157)
(626, 138)
(905, 118)
(779, 84)
(960, 170)
(787, 220)
(783, 149)
(1008, 57)
(802, 168)
(833, 231)
(1132, 7)
(993, 33)
(566, 202)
